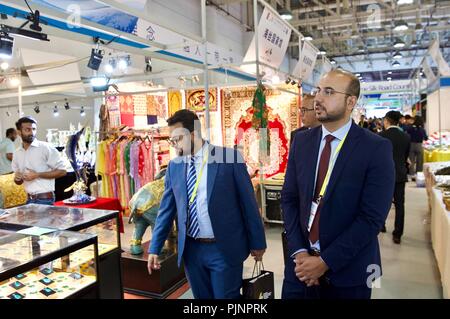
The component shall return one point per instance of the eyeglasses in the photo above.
(326, 92)
(175, 139)
(303, 110)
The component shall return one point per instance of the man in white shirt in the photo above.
(36, 164)
(6, 151)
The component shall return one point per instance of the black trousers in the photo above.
(399, 202)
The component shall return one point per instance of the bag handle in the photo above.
(259, 267)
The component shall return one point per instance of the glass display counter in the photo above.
(58, 265)
(103, 223)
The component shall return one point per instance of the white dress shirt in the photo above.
(40, 157)
(6, 147)
(339, 136)
(204, 220)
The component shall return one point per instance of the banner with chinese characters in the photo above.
(305, 65)
(195, 100)
(273, 41)
(436, 55)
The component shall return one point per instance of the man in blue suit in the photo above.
(209, 190)
(337, 194)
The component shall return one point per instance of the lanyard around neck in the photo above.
(197, 182)
(329, 171)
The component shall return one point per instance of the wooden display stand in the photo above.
(161, 283)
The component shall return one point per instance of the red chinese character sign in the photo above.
(195, 100)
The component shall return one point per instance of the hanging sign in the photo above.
(307, 61)
(428, 71)
(273, 41)
(436, 55)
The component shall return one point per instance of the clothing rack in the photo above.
(152, 134)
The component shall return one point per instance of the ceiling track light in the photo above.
(285, 14)
(33, 35)
(4, 66)
(6, 46)
(397, 55)
(288, 80)
(322, 51)
(55, 110)
(66, 104)
(148, 64)
(36, 107)
(399, 44)
(400, 25)
(96, 59)
(82, 112)
(396, 64)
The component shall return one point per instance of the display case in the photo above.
(103, 223)
(57, 265)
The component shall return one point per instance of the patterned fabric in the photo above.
(236, 125)
(140, 104)
(195, 100)
(175, 102)
(156, 105)
(11, 194)
(113, 108)
(126, 104)
(193, 228)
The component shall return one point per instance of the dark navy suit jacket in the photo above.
(232, 207)
(355, 205)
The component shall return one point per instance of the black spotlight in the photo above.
(35, 18)
(293, 82)
(95, 59)
(66, 105)
(36, 108)
(148, 64)
(6, 45)
(288, 80)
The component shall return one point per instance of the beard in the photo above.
(325, 117)
(28, 139)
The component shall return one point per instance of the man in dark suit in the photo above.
(309, 119)
(209, 190)
(332, 226)
(400, 146)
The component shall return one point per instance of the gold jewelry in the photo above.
(136, 242)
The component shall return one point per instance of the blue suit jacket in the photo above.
(355, 205)
(232, 206)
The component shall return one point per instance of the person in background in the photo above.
(400, 151)
(362, 122)
(418, 135)
(402, 123)
(7, 149)
(36, 164)
(309, 119)
(332, 224)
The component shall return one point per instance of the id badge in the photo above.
(314, 207)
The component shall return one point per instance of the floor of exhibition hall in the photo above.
(409, 269)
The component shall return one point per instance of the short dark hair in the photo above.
(25, 119)
(354, 87)
(186, 118)
(418, 121)
(393, 117)
(407, 117)
(10, 131)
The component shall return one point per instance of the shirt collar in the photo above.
(35, 143)
(340, 133)
(200, 153)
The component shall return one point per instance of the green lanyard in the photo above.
(329, 171)
(194, 193)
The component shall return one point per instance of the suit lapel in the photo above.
(213, 166)
(312, 153)
(349, 145)
(182, 171)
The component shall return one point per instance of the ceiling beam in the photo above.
(326, 8)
